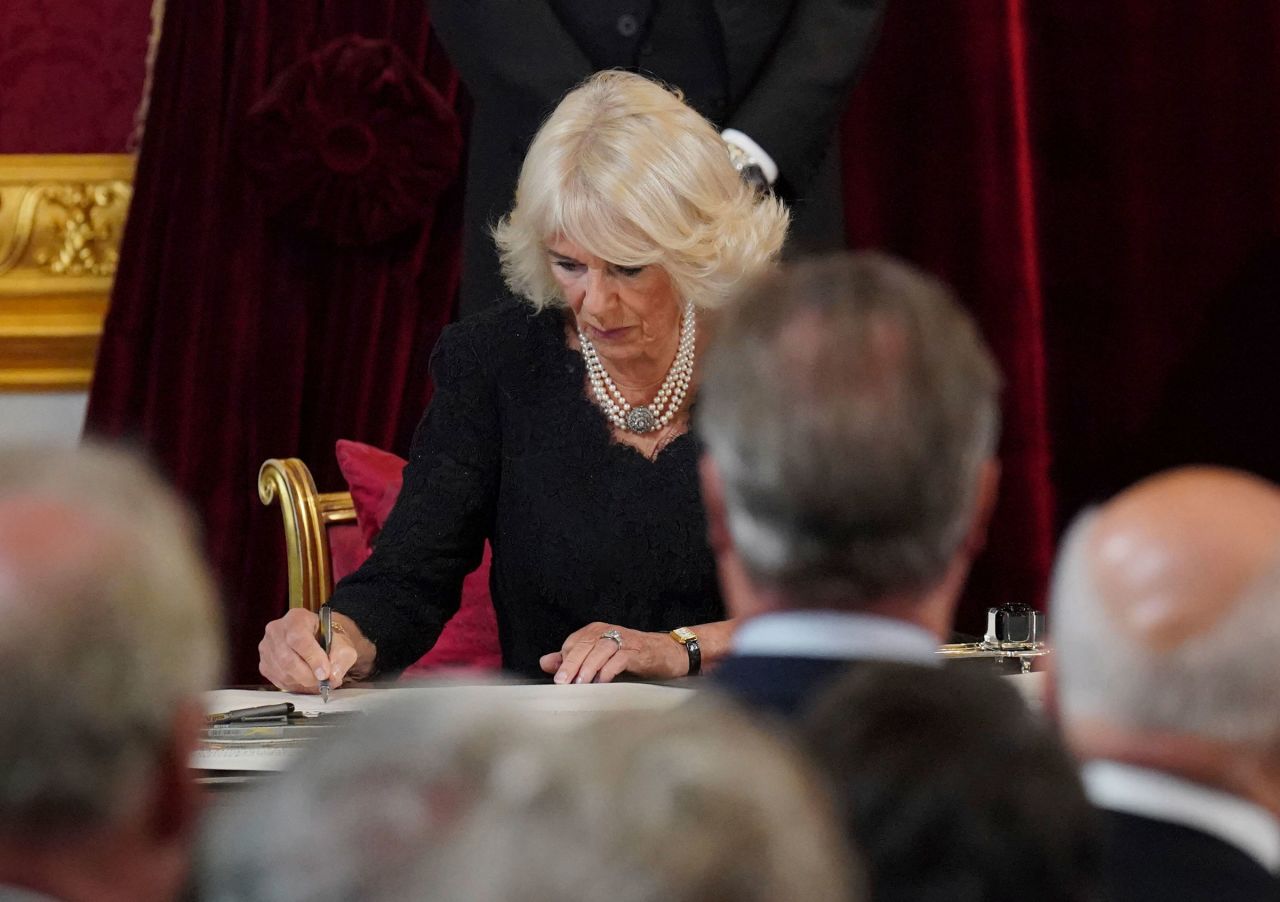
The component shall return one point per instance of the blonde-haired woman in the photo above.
(559, 429)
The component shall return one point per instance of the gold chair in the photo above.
(307, 514)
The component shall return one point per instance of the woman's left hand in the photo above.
(589, 656)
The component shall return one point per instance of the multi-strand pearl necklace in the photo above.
(665, 404)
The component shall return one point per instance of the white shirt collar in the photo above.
(19, 894)
(1164, 797)
(835, 634)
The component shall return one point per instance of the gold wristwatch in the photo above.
(689, 640)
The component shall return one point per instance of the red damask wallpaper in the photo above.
(71, 74)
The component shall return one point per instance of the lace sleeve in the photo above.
(407, 590)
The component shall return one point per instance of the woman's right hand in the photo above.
(290, 655)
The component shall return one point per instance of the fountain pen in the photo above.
(326, 640)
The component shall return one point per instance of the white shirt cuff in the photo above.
(754, 151)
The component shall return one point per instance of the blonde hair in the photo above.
(625, 169)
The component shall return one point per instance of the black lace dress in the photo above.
(583, 528)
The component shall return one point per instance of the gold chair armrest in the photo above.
(307, 514)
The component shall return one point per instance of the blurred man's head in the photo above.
(452, 800)
(1166, 620)
(109, 631)
(850, 413)
(634, 808)
(952, 788)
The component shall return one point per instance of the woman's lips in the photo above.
(608, 334)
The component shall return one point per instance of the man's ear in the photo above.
(984, 506)
(176, 800)
(740, 597)
(713, 501)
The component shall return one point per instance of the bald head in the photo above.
(1175, 554)
(108, 626)
(47, 547)
(1166, 609)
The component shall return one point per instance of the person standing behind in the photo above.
(1166, 618)
(850, 413)
(109, 631)
(775, 74)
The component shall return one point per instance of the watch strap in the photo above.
(695, 657)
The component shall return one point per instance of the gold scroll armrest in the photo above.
(307, 515)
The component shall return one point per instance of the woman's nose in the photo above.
(599, 291)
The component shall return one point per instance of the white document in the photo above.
(339, 700)
(548, 705)
(257, 758)
(568, 703)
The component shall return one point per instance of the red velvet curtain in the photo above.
(1158, 142)
(938, 170)
(290, 258)
(1101, 183)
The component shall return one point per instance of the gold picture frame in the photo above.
(61, 221)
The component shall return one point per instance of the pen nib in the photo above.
(324, 691)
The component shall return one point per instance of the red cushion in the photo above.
(347, 549)
(470, 638)
(374, 477)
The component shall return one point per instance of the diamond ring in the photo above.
(614, 635)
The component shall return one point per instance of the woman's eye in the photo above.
(568, 265)
(630, 271)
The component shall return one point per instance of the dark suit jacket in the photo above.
(781, 685)
(777, 70)
(1146, 860)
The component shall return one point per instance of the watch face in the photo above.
(684, 634)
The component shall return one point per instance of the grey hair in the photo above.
(849, 405)
(1221, 684)
(450, 801)
(101, 645)
(351, 816)
(635, 810)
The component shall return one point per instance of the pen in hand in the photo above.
(326, 640)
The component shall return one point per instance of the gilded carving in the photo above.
(67, 228)
(61, 220)
(87, 227)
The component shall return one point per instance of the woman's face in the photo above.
(629, 313)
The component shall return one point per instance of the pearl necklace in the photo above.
(660, 411)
